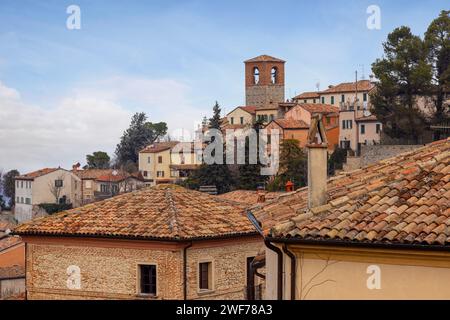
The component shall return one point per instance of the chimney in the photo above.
(261, 194)
(289, 186)
(317, 163)
(76, 166)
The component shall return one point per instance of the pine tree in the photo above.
(404, 74)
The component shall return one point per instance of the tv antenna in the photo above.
(363, 77)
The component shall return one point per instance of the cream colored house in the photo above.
(48, 185)
(380, 232)
(241, 116)
(167, 162)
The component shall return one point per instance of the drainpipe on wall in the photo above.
(185, 270)
(279, 268)
(293, 269)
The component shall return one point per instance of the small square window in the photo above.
(58, 183)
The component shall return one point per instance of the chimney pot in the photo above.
(289, 186)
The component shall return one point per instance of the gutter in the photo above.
(293, 269)
(185, 270)
(277, 250)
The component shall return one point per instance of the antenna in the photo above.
(318, 85)
(362, 71)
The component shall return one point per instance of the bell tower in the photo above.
(264, 81)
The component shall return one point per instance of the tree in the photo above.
(250, 177)
(9, 186)
(293, 166)
(336, 160)
(214, 122)
(437, 41)
(215, 174)
(404, 74)
(139, 134)
(98, 160)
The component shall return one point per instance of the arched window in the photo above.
(255, 75)
(274, 75)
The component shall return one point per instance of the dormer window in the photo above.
(255, 75)
(273, 75)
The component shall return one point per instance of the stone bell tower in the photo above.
(264, 81)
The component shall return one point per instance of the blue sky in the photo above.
(171, 59)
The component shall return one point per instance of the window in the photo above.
(104, 188)
(323, 99)
(255, 75)
(58, 183)
(328, 120)
(115, 188)
(147, 276)
(305, 101)
(159, 159)
(273, 75)
(88, 184)
(205, 276)
(350, 122)
(18, 200)
(27, 200)
(21, 184)
(232, 120)
(269, 139)
(343, 98)
(21, 200)
(271, 117)
(363, 129)
(148, 159)
(160, 174)
(332, 99)
(343, 124)
(145, 173)
(314, 100)
(242, 120)
(378, 128)
(364, 96)
(17, 184)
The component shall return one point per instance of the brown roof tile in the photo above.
(308, 95)
(402, 200)
(164, 212)
(12, 272)
(319, 108)
(36, 174)
(362, 85)
(264, 58)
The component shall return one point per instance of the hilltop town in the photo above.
(356, 203)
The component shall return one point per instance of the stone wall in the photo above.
(374, 153)
(112, 272)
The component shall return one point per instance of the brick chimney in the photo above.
(261, 194)
(317, 147)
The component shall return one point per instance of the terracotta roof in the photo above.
(92, 173)
(401, 200)
(248, 197)
(163, 212)
(5, 225)
(264, 58)
(118, 176)
(7, 242)
(308, 95)
(159, 146)
(36, 174)
(362, 85)
(291, 124)
(12, 272)
(319, 108)
(249, 109)
(367, 118)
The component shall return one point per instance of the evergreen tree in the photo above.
(9, 186)
(404, 75)
(293, 166)
(140, 134)
(98, 160)
(437, 40)
(250, 174)
(214, 122)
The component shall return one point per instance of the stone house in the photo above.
(48, 185)
(167, 162)
(99, 184)
(379, 232)
(164, 242)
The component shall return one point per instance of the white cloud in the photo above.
(91, 118)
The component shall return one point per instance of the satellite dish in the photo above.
(114, 173)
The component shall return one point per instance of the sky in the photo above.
(67, 93)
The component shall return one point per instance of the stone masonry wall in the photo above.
(373, 153)
(112, 273)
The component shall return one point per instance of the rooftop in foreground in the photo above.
(164, 212)
(403, 200)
